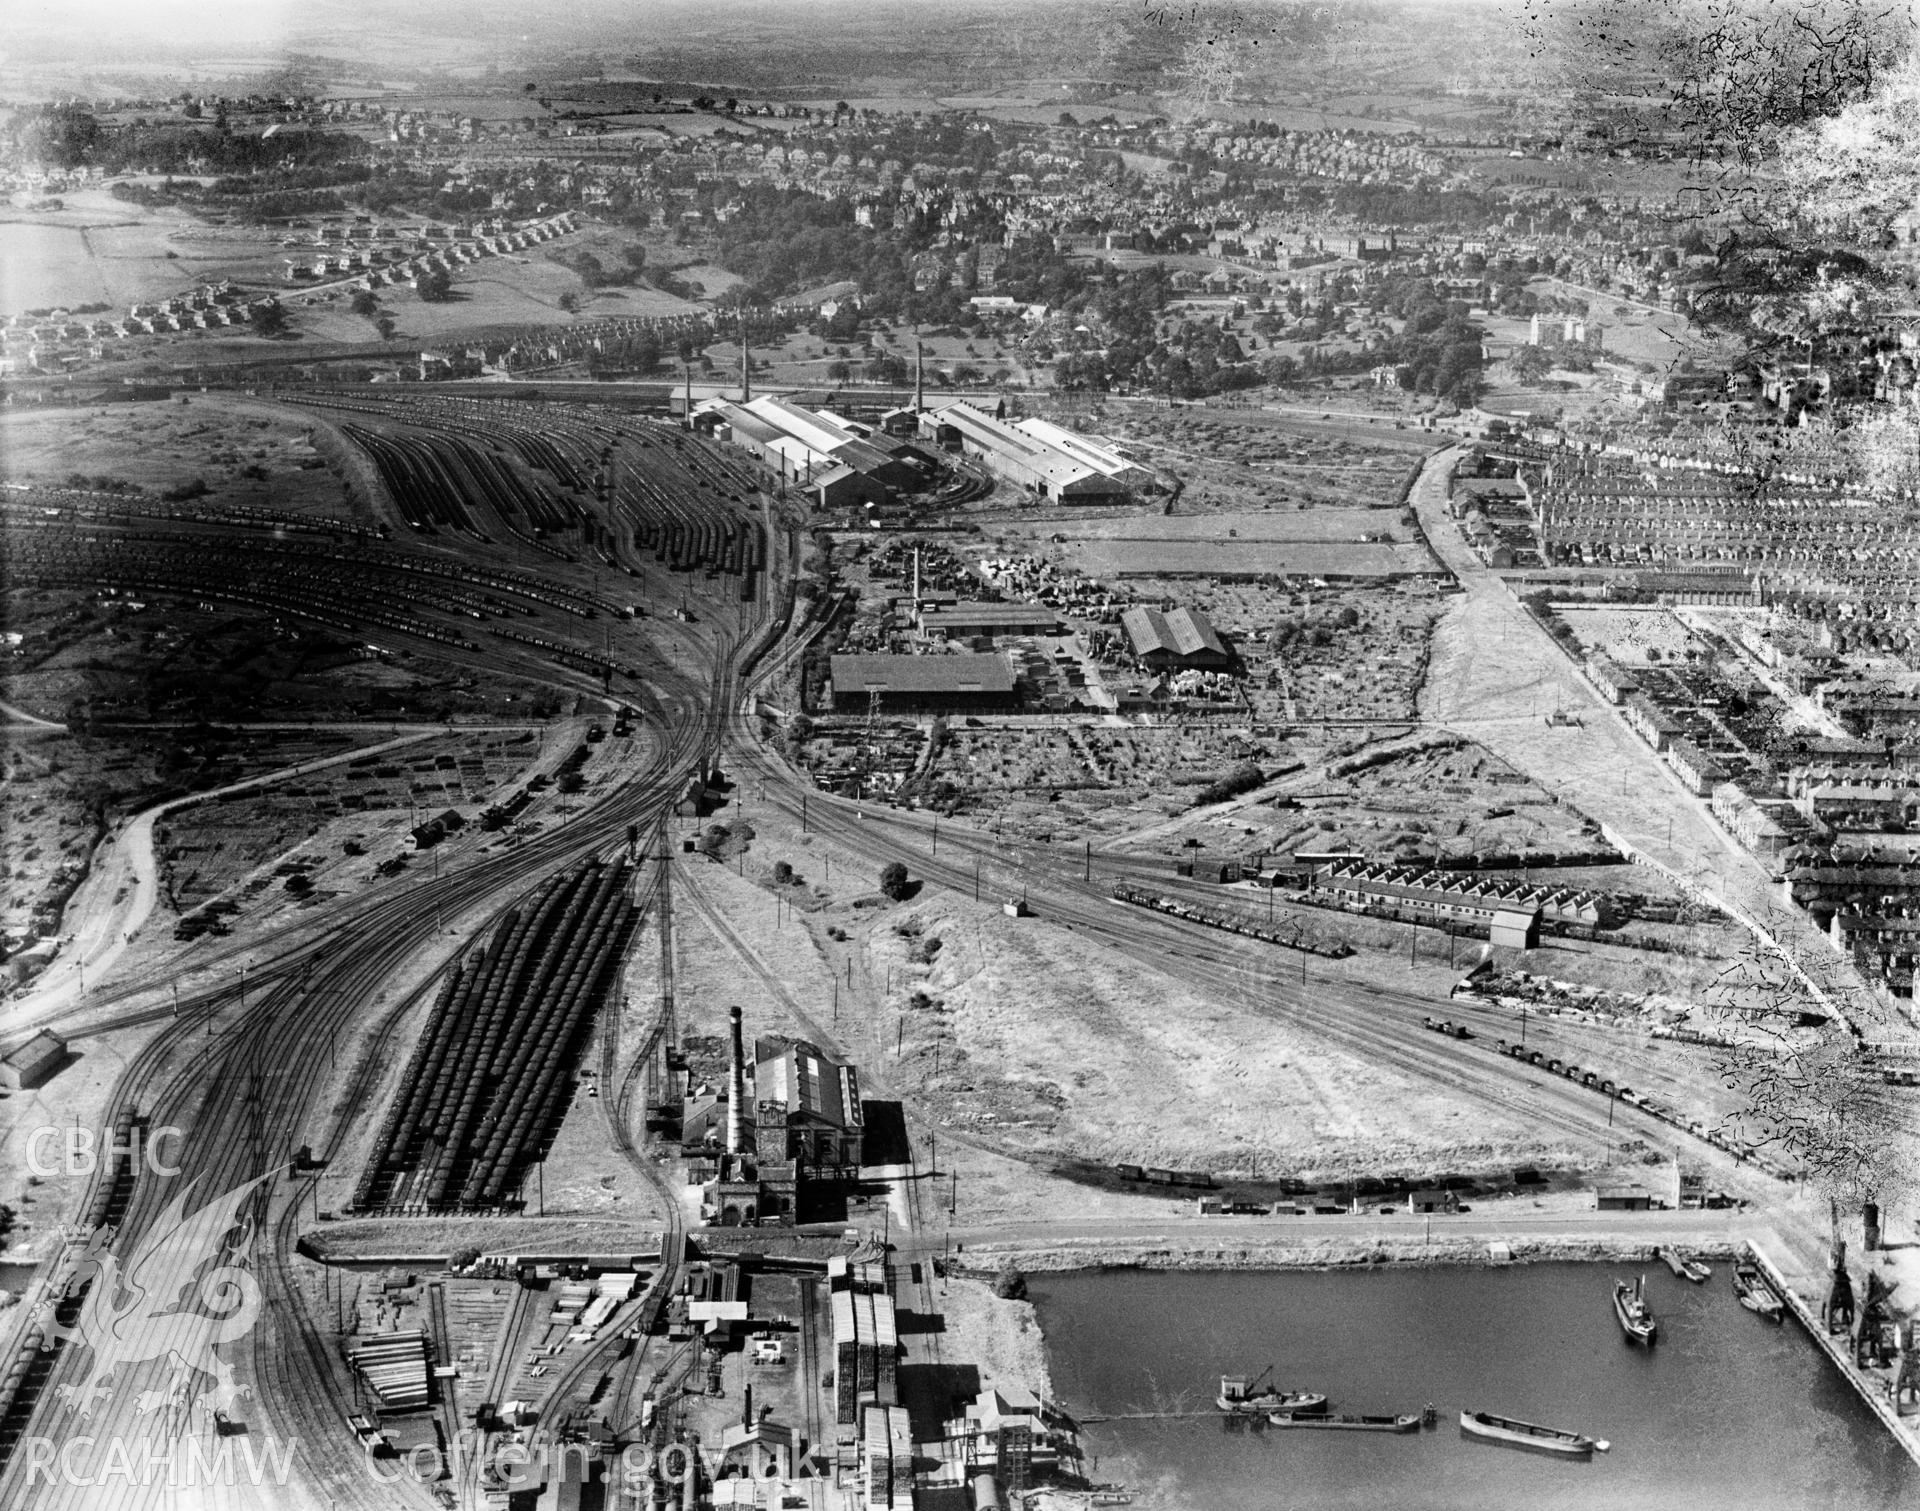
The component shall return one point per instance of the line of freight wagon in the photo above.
(1231, 921)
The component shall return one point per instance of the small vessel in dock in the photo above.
(1408, 1422)
(1239, 1397)
(1755, 1292)
(1530, 1435)
(1685, 1268)
(1630, 1306)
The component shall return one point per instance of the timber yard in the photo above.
(693, 776)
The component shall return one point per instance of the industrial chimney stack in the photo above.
(736, 1090)
(746, 383)
(919, 375)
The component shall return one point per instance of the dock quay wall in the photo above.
(1906, 1432)
(987, 1258)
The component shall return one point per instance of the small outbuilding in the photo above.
(38, 1060)
(1624, 1199)
(1515, 928)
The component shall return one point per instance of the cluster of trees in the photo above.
(784, 241)
(1307, 630)
(596, 274)
(1243, 778)
(68, 136)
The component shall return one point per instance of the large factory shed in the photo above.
(923, 684)
(834, 481)
(1104, 460)
(1020, 457)
(832, 437)
(1178, 638)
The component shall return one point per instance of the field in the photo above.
(99, 249)
(1022, 1039)
(247, 454)
(1143, 556)
(1235, 460)
(1429, 795)
(1631, 637)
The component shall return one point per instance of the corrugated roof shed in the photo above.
(1181, 632)
(1080, 448)
(1029, 451)
(922, 674)
(962, 614)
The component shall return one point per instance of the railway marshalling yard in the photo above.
(360, 773)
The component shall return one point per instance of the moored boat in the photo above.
(1630, 1306)
(1530, 1435)
(1755, 1292)
(1237, 1397)
(1685, 1268)
(1409, 1422)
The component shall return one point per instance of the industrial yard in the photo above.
(668, 735)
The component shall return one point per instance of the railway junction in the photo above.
(388, 1087)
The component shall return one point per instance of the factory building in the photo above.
(1103, 459)
(923, 684)
(821, 454)
(1178, 639)
(835, 437)
(960, 621)
(796, 1118)
(1024, 458)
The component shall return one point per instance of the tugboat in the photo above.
(1630, 1306)
(1238, 1397)
(1408, 1422)
(1754, 1293)
(1685, 1268)
(1519, 1434)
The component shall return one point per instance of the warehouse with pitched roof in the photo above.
(923, 684)
(1018, 456)
(1175, 639)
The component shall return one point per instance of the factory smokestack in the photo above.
(736, 1090)
(746, 384)
(919, 374)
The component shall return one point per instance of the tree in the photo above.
(363, 302)
(839, 371)
(569, 302)
(435, 285)
(386, 325)
(894, 883)
(636, 256)
(1809, 1094)
(268, 319)
(299, 884)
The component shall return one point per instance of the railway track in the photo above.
(287, 1031)
(1341, 1012)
